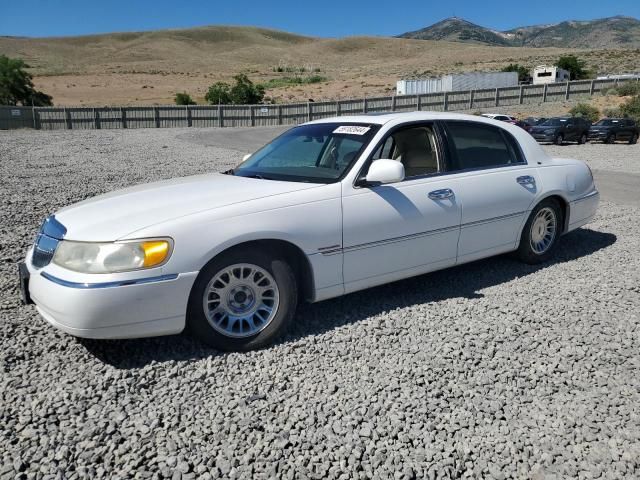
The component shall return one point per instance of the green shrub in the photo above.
(183, 98)
(585, 110)
(628, 89)
(612, 113)
(631, 108)
(521, 70)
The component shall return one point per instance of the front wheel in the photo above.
(242, 300)
(540, 233)
(583, 139)
(634, 139)
(610, 139)
(559, 140)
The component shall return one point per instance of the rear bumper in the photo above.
(583, 209)
(114, 310)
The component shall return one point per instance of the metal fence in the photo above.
(56, 118)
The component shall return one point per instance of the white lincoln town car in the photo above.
(327, 208)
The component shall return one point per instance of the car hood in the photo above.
(114, 215)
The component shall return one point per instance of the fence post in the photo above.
(393, 103)
(308, 111)
(96, 119)
(472, 95)
(279, 114)
(67, 118)
(337, 108)
(521, 99)
(364, 105)
(123, 117)
(418, 102)
(544, 93)
(445, 102)
(567, 90)
(189, 117)
(497, 97)
(156, 116)
(592, 88)
(252, 115)
(220, 116)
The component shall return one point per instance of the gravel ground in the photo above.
(490, 370)
(620, 157)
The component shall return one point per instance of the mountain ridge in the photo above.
(609, 32)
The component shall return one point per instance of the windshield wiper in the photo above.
(256, 175)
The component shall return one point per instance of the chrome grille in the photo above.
(50, 234)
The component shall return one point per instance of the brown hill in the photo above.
(150, 67)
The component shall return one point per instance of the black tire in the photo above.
(559, 140)
(634, 139)
(610, 139)
(198, 323)
(525, 251)
(583, 139)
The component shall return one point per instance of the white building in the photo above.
(457, 82)
(550, 74)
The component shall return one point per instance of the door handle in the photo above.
(526, 180)
(441, 194)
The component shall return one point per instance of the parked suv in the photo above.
(608, 130)
(562, 129)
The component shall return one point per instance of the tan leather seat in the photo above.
(414, 150)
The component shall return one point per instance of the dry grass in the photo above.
(150, 67)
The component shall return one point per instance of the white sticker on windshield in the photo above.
(352, 130)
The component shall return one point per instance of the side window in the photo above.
(414, 147)
(474, 145)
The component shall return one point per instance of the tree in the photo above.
(522, 71)
(245, 92)
(586, 111)
(16, 84)
(574, 66)
(183, 98)
(219, 92)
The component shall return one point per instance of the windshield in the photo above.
(318, 153)
(554, 122)
(607, 123)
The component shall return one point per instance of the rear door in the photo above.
(494, 186)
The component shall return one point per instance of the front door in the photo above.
(398, 230)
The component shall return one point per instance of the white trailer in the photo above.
(549, 74)
(457, 82)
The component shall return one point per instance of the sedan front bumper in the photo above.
(142, 308)
(544, 137)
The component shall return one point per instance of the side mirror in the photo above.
(385, 171)
(246, 157)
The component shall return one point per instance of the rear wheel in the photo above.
(559, 140)
(583, 139)
(634, 139)
(610, 139)
(541, 232)
(242, 300)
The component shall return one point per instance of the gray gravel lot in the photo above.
(490, 370)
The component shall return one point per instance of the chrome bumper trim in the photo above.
(120, 283)
(585, 197)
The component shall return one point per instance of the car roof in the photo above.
(381, 119)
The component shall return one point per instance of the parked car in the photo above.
(529, 122)
(562, 129)
(610, 130)
(500, 117)
(328, 208)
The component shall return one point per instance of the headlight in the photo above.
(86, 257)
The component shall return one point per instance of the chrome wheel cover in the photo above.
(543, 230)
(241, 300)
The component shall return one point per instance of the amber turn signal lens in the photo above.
(155, 252)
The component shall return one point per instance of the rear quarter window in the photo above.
(475, 146)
